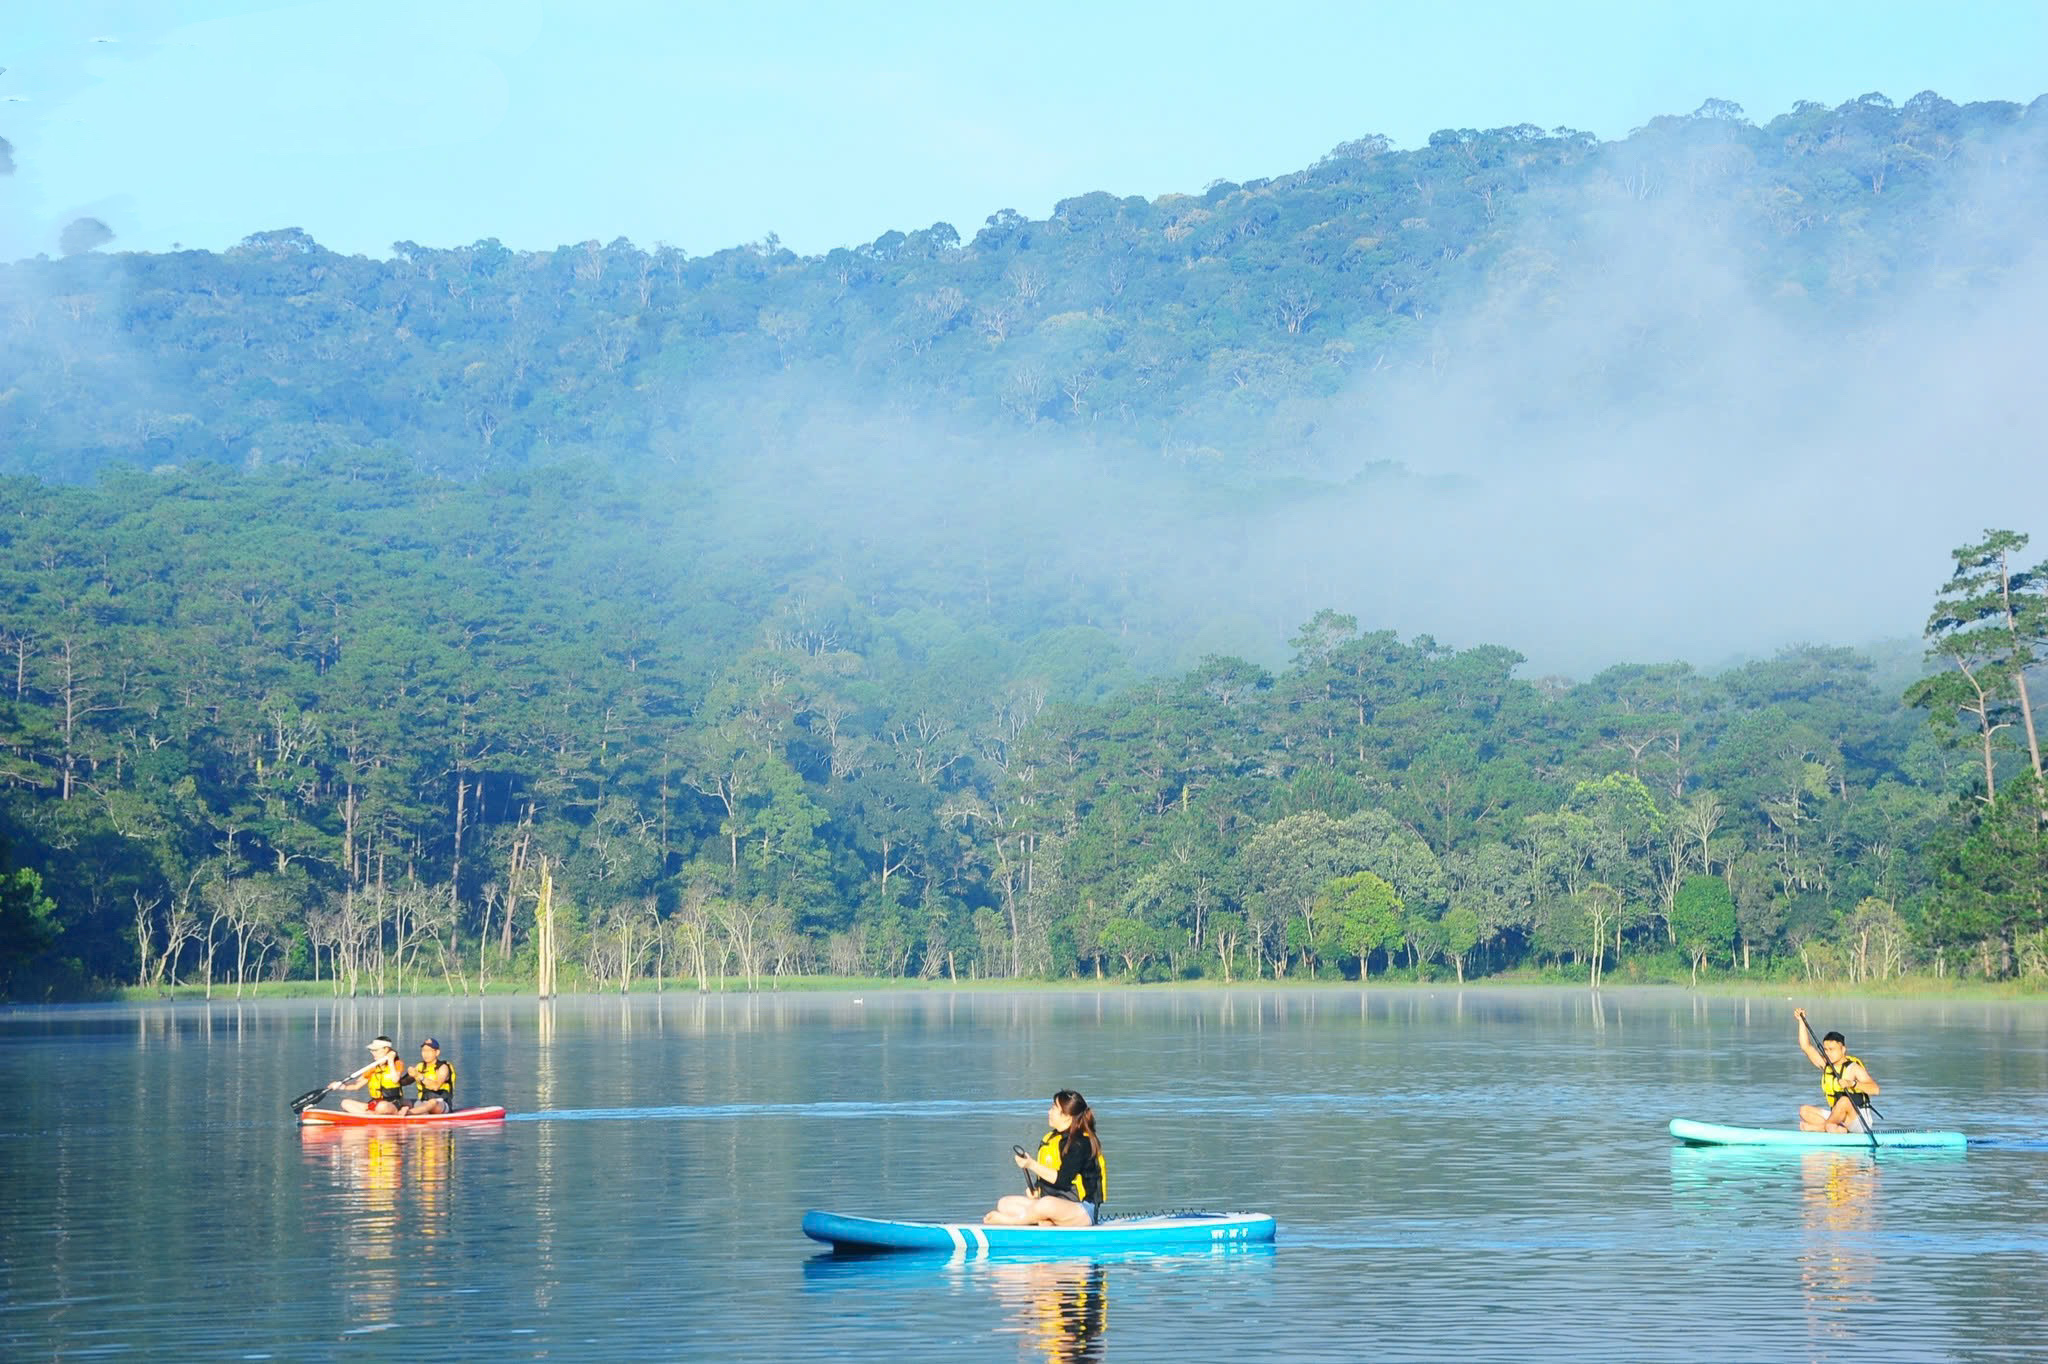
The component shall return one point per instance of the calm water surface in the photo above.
(1481, 1173)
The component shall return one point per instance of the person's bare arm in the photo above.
(1806, 1040)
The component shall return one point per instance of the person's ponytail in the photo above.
(1074, 1106)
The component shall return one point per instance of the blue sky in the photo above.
(443, 121)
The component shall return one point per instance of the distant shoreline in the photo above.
(1896, 988)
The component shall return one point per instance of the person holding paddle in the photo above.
(1067, 1179)
(387, 1078)
(436, 1081)
(1844, 1083)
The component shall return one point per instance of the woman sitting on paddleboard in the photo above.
(1068, 1178)
(1844, 1083)
(387, 1078)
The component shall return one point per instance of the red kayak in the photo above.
(334, 1117)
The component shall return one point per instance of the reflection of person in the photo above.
(436, 1081)
(1068, 1175)
(1844, 1084)
(430, 1154)
(1839, 1188)
(1083, 1314)
(1062, 1307)
(383, 1173)
(387, 1078)
(1836, 1266)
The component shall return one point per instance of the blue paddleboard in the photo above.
(1163, 1231)
(1714, 1134)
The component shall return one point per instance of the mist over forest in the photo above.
(1101, 593)
(1596, 400)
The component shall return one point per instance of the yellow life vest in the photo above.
(430, 1090)
(387, 1081)
(1091, 1185)
(1832, 1088)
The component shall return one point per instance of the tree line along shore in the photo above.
(407, 755)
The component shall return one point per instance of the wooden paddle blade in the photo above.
(308, 1099)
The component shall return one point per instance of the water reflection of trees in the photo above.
(1838, 1209)
(1059, 1307)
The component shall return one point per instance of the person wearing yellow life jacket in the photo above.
(1845, 1085)
(1068, 1176)
(436, 1081)
(386, 1078)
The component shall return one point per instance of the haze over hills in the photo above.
(1603, 398)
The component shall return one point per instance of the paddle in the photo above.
(1868, 1131)
(313, 1096)
(1030, 1180)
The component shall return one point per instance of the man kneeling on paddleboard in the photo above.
(1844, 1083)
(387, 1078)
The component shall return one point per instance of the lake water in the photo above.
(1480, 1173)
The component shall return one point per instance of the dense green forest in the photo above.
(337, 723)
(361, 616)
(1200, 327)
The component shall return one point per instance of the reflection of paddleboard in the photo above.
(1714, 1134)
(1165, 1231)
(335, 1118)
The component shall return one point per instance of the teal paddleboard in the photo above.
(1714, 1134)
(1162, 1231)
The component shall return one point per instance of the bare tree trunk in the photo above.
(380, 922)
(2019, 665)
(545, 925)
(483, 937)
(144, 935)
(513, 877)
(213, 922)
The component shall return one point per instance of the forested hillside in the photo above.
(1194, 325)
(359, 615)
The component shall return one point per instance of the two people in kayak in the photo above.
(1846, 1086)
(1067, 1179)
(387, 1078)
